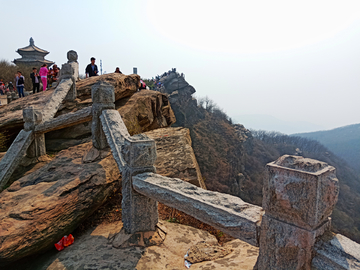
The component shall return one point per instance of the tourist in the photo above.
(20, 81)
(35, 77)
(2, 88)
(43, 73)
(11, 86)
(91, 69)
(117, 70)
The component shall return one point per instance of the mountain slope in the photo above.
(343, 141)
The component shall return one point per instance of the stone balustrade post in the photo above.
(32, 117)
(103, 98)
(68, 72)
(139, 213)
(299, 195)
(72, 57)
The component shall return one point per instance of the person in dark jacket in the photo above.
(35, 77)
(91, 69)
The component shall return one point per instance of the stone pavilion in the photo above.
(32, 56)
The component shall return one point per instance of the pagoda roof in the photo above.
(32, 48)
(28, 61)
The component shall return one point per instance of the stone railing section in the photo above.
(299, 196)
(336, 252)
(225, 212)
(31, 140)
(13, 156)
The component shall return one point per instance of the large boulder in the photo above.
(146, 110)
(175, 156)
(11, 117)
(38, 209)
(143, 111)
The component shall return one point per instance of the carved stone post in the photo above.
(72, 57)
(139, 213)
(68, 72)
(103, 98)
(32, 117)
(299, 195)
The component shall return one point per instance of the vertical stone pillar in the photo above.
(72, 57)
(32, 117)
(139, 213)
(103, 98)
(299, 195)
(68, 72)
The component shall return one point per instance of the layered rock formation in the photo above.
(175, 156)
(43, 206)
(142, 111)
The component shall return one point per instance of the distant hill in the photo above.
(271, 123)
(343, 141)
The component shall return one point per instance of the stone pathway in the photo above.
(94, 250)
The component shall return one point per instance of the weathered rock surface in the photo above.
(146, 110)
(93, 250)
(11, 114)
(175, 156)
(43, 206)
(203, 251)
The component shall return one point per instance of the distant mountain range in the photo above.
(270, 123)
(343, 141)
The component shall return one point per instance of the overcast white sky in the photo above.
(292, 60)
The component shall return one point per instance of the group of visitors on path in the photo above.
(47, 77)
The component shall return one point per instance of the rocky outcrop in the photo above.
(11, 117)
(43, 206)
(145, 110)
(93, 250)
(175, 156)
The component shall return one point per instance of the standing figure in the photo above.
(91, 69)
(43, 73)
(117, 70)
(35, 77)
(20, 81)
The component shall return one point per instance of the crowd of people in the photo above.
(46, 77)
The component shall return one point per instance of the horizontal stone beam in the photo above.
(57, 97)
(115, 132)
(225, 212)
(336, 253)
(13, 156)
(65, 120)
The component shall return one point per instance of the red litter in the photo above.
(64, 242)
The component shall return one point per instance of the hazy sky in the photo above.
(292, 60)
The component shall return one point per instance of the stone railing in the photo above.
(31, 140)
(292, 229)
(299, 196)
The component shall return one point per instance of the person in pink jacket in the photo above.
(43, 72)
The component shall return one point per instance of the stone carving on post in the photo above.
(299, 195)
(33, 117)
(103, 98)
(68, 72)
(72, 57)
(139, 213)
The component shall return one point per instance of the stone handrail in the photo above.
(65, 120)
(31, 140)
(227, 213)
(299, 195)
